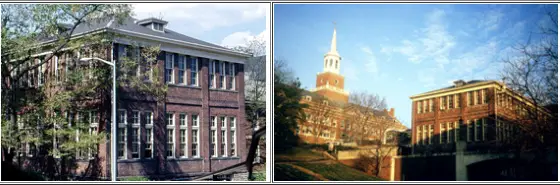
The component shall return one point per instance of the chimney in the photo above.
(392, 112)
(459, 83)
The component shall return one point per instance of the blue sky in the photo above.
(401, 50)
(225, 24)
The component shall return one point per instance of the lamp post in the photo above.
(113, 117)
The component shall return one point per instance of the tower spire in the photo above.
(333, 42)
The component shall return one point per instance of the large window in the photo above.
(233, 151)
(431, 105)
(418, 135)
(135, 134)
(222, 74)
(170, 135)
(183, 135)
(148, 150)
(431, 134)
(195, 136)
(181, 68)
(424, 134)
(213, 151)
(41, 74)
(193, 66)
(223, 143)
(418, 107)
(231, 75)
(442, 133)
(424, 106)
(457, 100)
(169, 77)
(450, 101)
(470, 131)
(212, 74)
(484, 94)
(470, 98)
(121, 135)
(478, 131)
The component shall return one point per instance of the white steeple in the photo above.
(332, 59)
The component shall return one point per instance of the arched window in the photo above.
(330, 62)
(325, 63)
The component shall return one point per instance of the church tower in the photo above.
(329, 82)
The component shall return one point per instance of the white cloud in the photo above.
(426, 77)
(475, 59)
(434, 44)
(204, 16)
(371, 62)
(490, 20)
(240, 38)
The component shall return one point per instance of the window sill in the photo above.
(185, 159)
(224, 90)
(134, 160)
(226, 158)
(184, 86)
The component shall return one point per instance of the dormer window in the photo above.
(157, 27)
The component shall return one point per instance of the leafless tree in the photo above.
(319, 118)
(360, 113)
(532, 71)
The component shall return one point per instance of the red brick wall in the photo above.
(332, 95)
(331, 78)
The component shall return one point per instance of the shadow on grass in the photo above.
(285, 172)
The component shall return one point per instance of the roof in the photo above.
(448, 88)
(130, 24)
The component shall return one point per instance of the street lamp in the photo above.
(113, 117)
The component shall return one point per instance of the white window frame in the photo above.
(195, 59)
(223, 77)
(195, 138)
(136, 127)
(214, 141)
(184, 128)
(170, 57)
(233, 133)
(418, 135)
(182, 60)
(232, 73)
(149, 140)
(212, 73)
(122, 125)
(172, 128)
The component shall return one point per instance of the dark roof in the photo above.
(151, 20)
(453, 86)
(129, 24)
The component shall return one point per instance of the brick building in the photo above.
(478, 112)
(199, 127)
(326, 117)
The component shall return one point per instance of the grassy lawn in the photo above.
(284, 172)
(297, 154)
(337, 172)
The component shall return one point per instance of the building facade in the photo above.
(478, 112)
(327, 115)
(198, 127)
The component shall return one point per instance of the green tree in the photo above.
(51, 123)
(288, 111)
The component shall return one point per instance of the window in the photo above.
(418, 134)
(450, 133)
(431, 134)
(148, 150)
(431, 104)
(223, 143)
(170, 121)
(212, 72)
(182, 119)
(157, 27)
(57, 69)
(476, 97)
(418, 107)
(470, 131)
(194, 71)
(194, 147)
(441, 103)
(470, 98)
(442, 133)
(214, 121)
(183, 146)
(213, 150)
(424, 134)
(478, 131)
(457, 100)
(135, 134)
(170, 142)
(450, 101)
(194, 120)
(41, 74)
(424, 106)
(122, 134)
(484, 96)
(181, 68)
(498, 130)
(232, 123)
(169, 58)
(456, 132)
(222, 74)
(231, 76)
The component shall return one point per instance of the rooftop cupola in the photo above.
(153, 23)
